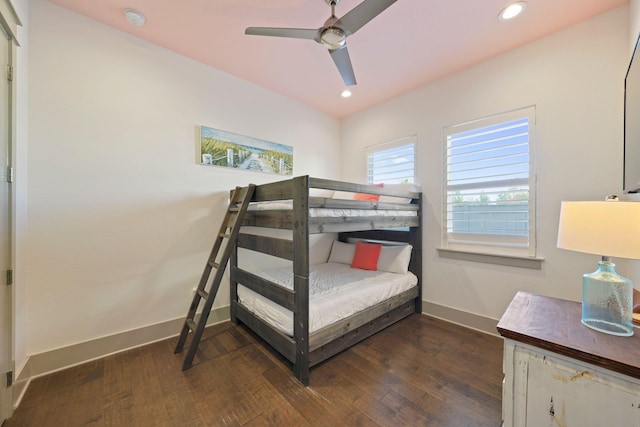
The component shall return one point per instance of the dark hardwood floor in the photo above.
(420, 371)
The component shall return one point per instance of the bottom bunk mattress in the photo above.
(336, 291)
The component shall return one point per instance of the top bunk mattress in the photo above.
(336, 291)
(331, 212)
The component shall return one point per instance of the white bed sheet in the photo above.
(336, 291)
(329, 212)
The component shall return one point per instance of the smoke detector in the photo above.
(134, 17)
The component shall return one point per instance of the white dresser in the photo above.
(558, 372)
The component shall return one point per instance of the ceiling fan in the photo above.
(333, 34)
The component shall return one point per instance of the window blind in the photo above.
(391, 163)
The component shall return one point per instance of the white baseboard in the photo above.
(462, 318)
(19, 388)
(41, 364)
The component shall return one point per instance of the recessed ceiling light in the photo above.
(345, 93)
(134, 17)
(513, 10)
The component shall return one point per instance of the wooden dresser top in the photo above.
(554, 325)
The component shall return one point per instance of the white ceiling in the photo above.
(410, 44)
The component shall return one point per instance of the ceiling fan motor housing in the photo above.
(333, 38)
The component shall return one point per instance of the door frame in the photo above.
(9, 22)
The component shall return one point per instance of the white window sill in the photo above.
(533, 263)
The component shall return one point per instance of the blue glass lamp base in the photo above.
(607, 301)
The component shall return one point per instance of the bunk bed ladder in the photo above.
(228, 231)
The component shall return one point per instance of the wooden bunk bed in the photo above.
(304, 349)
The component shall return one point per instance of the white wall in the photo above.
(575, 80)
(633, 268)
(121, 218)
(634, 23)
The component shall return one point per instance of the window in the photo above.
(489, 199)
(392, 162)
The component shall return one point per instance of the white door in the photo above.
(5, 228)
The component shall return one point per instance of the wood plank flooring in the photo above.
(420, 371)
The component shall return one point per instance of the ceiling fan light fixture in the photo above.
(512, 10)
(134, 17)
(333, 38)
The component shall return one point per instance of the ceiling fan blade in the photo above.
(357, 17)
(343, 62)
(296, 33)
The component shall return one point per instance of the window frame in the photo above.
(492, 244)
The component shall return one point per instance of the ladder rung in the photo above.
(229, 230)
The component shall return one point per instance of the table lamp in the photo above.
(607, 228)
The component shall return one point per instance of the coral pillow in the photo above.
(368, 197)
(366, 256)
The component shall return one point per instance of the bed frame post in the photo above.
(301, 277)
(415, 266)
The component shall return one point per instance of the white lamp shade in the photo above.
(606, 228)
